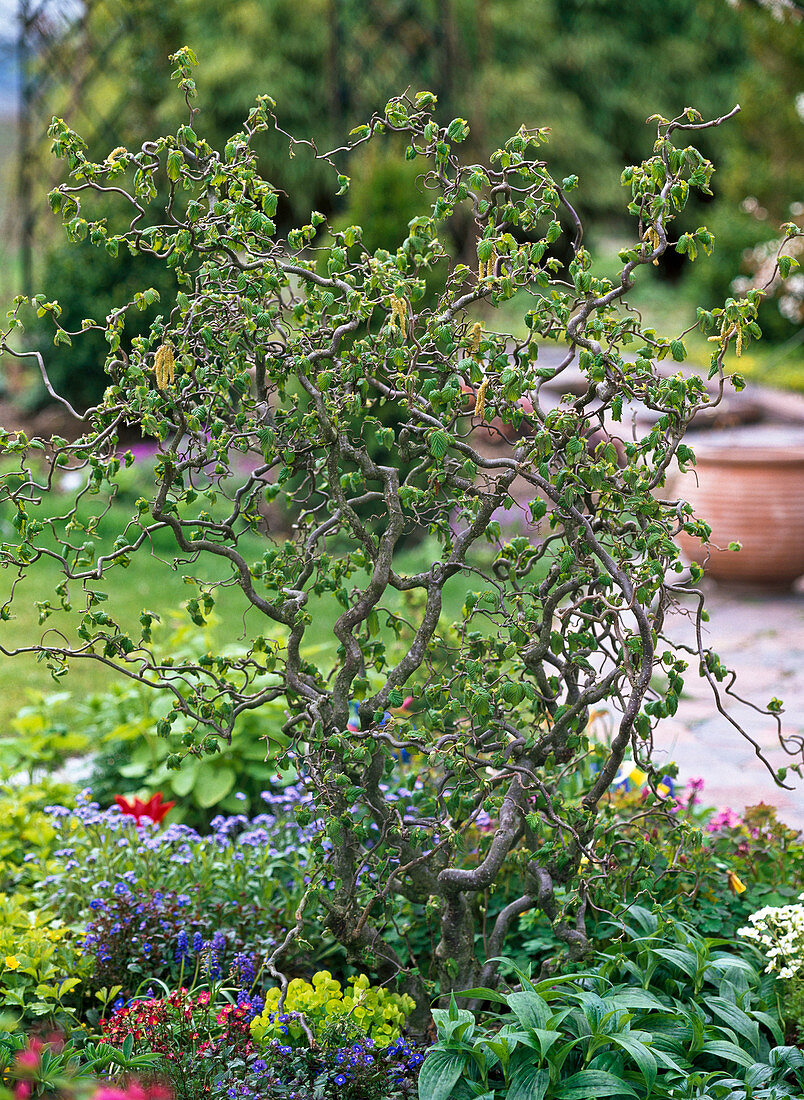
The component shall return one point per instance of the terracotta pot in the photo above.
(749, 487)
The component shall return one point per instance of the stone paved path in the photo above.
(762, 638)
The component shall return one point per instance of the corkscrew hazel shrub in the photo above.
(292, 359)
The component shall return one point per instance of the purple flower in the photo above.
(182, 947)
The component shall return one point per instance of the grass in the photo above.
(154, 580)
(151, 581)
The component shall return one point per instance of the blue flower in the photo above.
(214, 965)
(244, 969)
(198, 942)
(340, 1079)
(182, 947)
(96, 903)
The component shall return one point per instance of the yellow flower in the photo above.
(736, 884)
(12, 962)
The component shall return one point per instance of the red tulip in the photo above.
(154, 809)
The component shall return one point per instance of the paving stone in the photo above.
(762, 638)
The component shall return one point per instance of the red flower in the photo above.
(154, 808)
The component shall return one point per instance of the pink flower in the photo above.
(27, 1059)
(725, 819)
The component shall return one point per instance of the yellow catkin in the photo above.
(652, 237)
(164, 366)
(477, 332)
(115, 154)
(399, 313)
(726, 334)
(480, 401)
(481, 271)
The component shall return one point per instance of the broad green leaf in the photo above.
(182, 781)
(439, 1074)
(734, 1018)
(591, 1083)
(212, 783)
(728, 1051)
(639, 1052)
(684, 960)
(529, 1009)
(528, 1082)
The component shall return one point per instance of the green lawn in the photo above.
(155, 582)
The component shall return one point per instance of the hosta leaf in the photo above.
(213, 782)
(591, 1083)
(439, 1074)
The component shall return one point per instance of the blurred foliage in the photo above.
(590, 69)
(117, 730)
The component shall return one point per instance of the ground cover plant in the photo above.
(317, 408)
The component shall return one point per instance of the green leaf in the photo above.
(590, 1083)
(213, 782)
(183, 781)
(528, 1082)
(439, 444)
(729, 1051)
(684, 960)
(642, 1056)
(458, 129)
(439, 1073)
(530, 1009)
(678, 351)
(175, 162)
(734, 1018)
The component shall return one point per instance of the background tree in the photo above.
(585, 70)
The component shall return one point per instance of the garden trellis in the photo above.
(60, 61)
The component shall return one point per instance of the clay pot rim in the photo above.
(749, 456)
